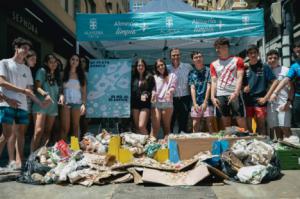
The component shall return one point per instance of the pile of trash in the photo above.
(251, 161)
(94, 165)
(95, 162)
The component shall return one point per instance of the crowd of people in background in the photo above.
(169, 96)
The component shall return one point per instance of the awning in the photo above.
(151, 35)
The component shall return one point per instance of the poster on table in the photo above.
(108, 89)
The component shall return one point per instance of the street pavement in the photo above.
(286, 187)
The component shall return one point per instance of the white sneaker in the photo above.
(13, 165)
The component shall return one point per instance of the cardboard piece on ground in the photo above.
(137, 178)
(126, 178)
(177, 169)
(188, 147)
(191, 177)
(217, 172)
(125, 156)
(161, 155)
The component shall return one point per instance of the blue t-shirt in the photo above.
(258, 77)
(200, 79)
(294, 74)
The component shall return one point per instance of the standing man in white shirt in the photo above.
(182, 96)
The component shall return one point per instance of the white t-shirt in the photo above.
(280, 72)
(18, 75)
(226, 72)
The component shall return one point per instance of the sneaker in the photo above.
(13, 165)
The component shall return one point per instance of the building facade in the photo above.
(137, 4)
(222, 4)
(51, 25)
(275, 35)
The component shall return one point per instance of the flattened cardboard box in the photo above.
(191, 177)
(189, 147)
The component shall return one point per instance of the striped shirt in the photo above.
(182, 74)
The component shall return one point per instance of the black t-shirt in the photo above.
(258, 77)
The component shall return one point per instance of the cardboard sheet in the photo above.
(191, 177)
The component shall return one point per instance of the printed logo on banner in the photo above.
(144, 26)
(220, 25)
(93, 24)
(109, 88)
(169, 22)
(245, 19)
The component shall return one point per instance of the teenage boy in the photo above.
(279, 111)
(293, 75)
(15, 80)
(226, 82)
(199, 81)
(256, 93)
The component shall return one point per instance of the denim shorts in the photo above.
(73, 106)
(162, 105)
(9, 115)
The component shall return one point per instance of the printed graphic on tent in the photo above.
(109, 88)
(169, 25)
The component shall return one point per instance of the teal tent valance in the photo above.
(170, 25)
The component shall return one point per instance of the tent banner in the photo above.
(169, 25)
(108, 88)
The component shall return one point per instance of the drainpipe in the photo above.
(287, 32)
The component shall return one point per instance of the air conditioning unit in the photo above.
(276, 16)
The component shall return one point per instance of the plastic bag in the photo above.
(33, 166)
(252, 174)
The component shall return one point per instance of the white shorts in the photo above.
(276, 118)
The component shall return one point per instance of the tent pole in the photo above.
(264, 49)
(77, 47)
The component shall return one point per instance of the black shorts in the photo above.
(138, 104)
(234, 109)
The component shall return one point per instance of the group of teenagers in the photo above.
(229, 89)
(39, 94)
